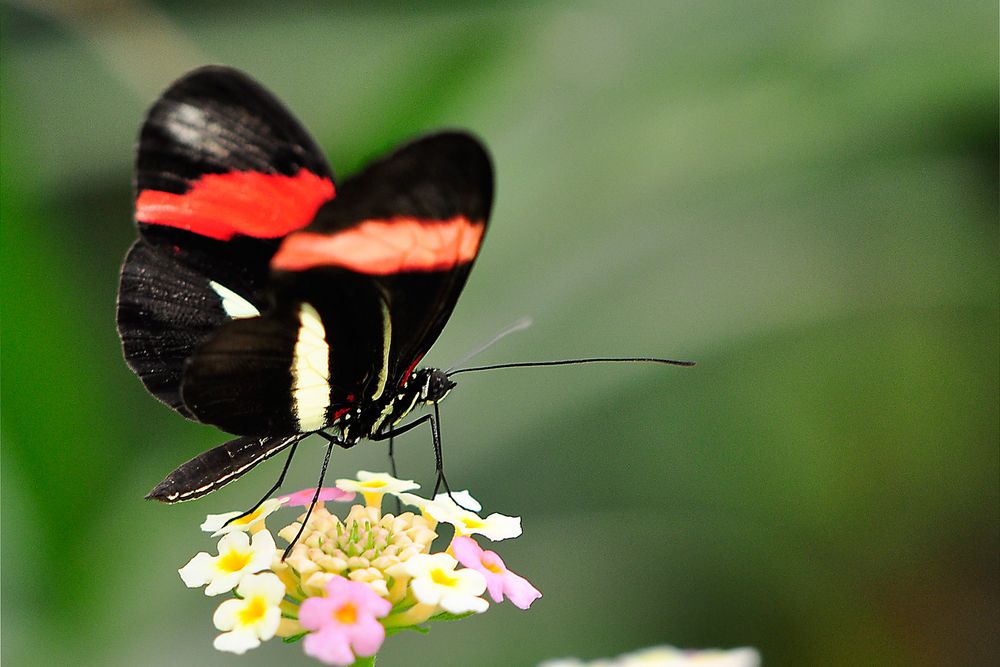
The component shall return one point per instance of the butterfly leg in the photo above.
(281, 478)
(435, 420)
(392, 467)
(439, 456)
(391, 433)
(331, 440)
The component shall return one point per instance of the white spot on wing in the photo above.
(310, 371)
(189, 124)
(235, 306)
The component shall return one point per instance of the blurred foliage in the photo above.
(802, 197)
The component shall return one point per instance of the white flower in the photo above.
(436, 582)
(376, 482)
(463, 498)
(237, 558)
(215, 523)
(495, 527)
(254, 618)
(374, 485)
(415, 500)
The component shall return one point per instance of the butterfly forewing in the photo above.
(412, 223)
(223, 172)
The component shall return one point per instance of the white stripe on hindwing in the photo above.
(408, 410)
(222, 480)
(383, 373)
(310, 371)
(235, 306)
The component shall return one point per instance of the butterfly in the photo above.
(267, 299)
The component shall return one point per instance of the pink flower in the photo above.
(499, 580)
(344, 622)
(304, 497)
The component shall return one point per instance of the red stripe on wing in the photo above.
(383, 247)
(220, 206)
(409, 371)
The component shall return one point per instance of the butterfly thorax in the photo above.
(425, 386)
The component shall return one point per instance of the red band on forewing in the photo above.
(383, 247)
(220, 206)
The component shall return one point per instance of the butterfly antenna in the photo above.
(520, 325)
(574, 362)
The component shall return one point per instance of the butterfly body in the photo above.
(264, 298)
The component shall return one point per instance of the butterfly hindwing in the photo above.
(165, 308)
(296, 368)
(217, 467)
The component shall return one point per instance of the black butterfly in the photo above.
(265, 299)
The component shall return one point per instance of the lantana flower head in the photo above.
(362, 547)
(349, 582)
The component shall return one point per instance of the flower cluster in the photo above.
(348, 583)
(668, 656)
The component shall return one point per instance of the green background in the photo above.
(800, 196)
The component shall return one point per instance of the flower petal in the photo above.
(367, 637)
(463, 498)
(198, 570)
(376, 482)
(237, 641)
(227, 616)
(519, 590)
(330, 646)
(216, 523)
(304, 497)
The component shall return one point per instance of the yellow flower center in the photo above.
(234, 561)
(472, 522)
(242, 521)
(492, 567)
(374, 484)
(254, 611)
(442, 578)
(347, 614)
